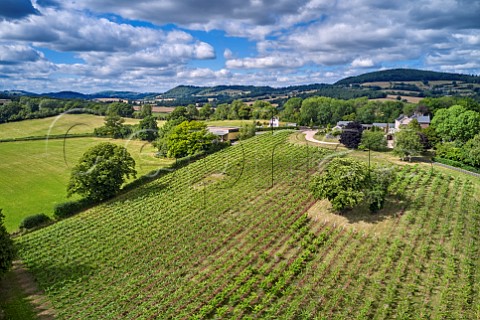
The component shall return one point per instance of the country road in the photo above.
(309, 136)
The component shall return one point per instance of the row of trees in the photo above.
(114, 126)
(32, 108)
(309, 111)
(458, 128)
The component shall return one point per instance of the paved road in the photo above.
(309, 136)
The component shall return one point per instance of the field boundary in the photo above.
(457, 169)
(55, 136)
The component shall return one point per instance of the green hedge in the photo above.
(34, 221)
(456, 164)
(276, 128)
(52, 136)
(69, 208)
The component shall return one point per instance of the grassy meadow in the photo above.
(34, 174)
(71, 123)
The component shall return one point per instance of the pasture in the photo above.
(62, 124)
(34, 174)
(237, 235)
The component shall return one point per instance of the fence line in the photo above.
(458, 169)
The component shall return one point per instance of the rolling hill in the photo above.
(398, 75)
(237, 235)
(415, 82)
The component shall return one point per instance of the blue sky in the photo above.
(154, 45)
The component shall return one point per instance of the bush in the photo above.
(69, 208)
(7, 249)
(35, 221)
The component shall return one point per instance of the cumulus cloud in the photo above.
(265, 62)
(299, 41)
(362, 63)
(18, 54)
(16, 9)
(189, 12)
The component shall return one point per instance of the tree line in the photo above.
(24, 108)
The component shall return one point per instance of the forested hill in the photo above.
(251, 91)
(408, 75)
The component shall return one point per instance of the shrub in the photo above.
(69, 208)
(34, 221)
(7, 249)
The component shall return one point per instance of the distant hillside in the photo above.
(408, 75)
(129, 95)
(65, 95)
(183, 95)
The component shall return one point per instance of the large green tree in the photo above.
(456, 123)
(342, 183)
(120, 108)
(205, 111)
(308, 112)
(352, 135)
(188, 138)
(7, 250)
(373, 140)
(148, 129)
(407, 144)
(291, 109)
(101, 171)
(471, 151)
(247, 130)
(114, 127)
(347, 183)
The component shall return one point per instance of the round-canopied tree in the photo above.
(347, 182)
(342, 183)
(188, 138)
(374, 140)
(148, 128)
(352, 135)
(101, 171)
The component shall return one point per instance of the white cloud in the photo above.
(17, 54)
(301, 41)
(228, 54)
(265, 62)
(362, 63)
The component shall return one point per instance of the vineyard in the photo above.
(233, 236)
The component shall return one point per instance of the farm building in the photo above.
(403, 120)
(225, 133)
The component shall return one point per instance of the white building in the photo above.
(274, 122)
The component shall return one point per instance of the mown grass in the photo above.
(62, 124)
(34, 174)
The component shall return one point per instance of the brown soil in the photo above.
(40, 303)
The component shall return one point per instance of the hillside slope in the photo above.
(407, 75)
(221, 239)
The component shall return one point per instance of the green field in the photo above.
(232, 236)
(62, 124)
(34, 174)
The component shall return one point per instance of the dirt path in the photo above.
(19, 291)
(309, 136)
